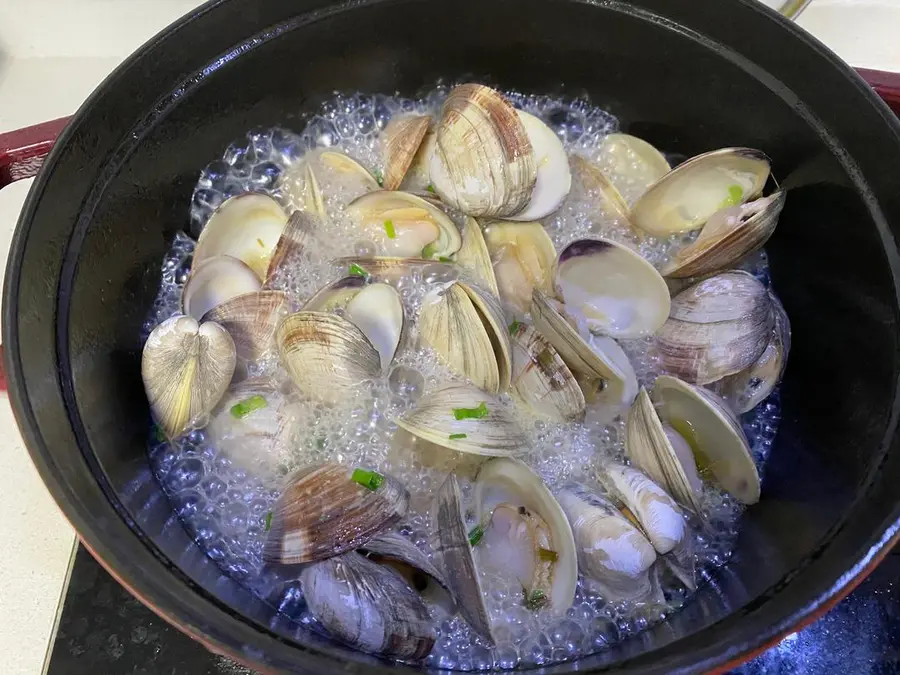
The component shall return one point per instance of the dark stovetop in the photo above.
(103, 630)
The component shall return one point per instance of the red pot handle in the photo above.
(22, 152)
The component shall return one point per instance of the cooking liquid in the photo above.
(224, 498)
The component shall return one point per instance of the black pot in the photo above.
(690, 75)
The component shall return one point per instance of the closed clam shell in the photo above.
(613, 554)
(327, 356)
(750, 387)
(491, 314)
(541, 379)
(453, 555)
(727, 237)
(632, 162)
(418, 175)
(247, 227)
(186, 367)
(368, 607)
(495, 433)
(251, 320)
(523, 256)
(473, 255)
(714, 431)
(303, 182)
(323, 512)
(658, 514)
(619, 293)
(483, 162)
(402, 138)
(717, 327)
(685, 198)
(609, 200)
(509, 481)
(215, 281)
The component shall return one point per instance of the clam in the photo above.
(750, 387)
(378, 312)
(463, 418)
(657, 513)
(247, 227)
(474, 256)
(327, 356)
(382, 267)
(619, 293)
(689, 428)
(402, 138)
(453, 554)
(368, 607)
(528, 533)
(717, 327)
(608, 198)
(540, 378)
(603, 370)
(686, 197)
(633, 161)
(394, 550)
(186, 367)
(523, 255)
(301, 184)
(554, 180)
(330, 509)
(465, 327)
(613, 555)
(728, 236)
(215, 281)
(402, 224)
(251, 320)
(418, 176)
(335, 295)
(483, 162)
(300, 227)
(252, 423)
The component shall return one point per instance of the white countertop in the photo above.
(52, 54)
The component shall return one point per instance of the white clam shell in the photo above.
(523, 255)
(554, 180)
(215, 281)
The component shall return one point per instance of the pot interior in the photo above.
(689, 76)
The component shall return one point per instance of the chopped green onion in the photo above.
(389, 229)
(430, 188)
(379, 177)
(368, 479)
(545, 359)
(514, 327)
(357, 271)
(428, 251)
(535, 600)
(248, 405)
(456, 437)
(735, 194)
(268, 525)
(475, 535)
(261, 243)
(547, 555)
(444, 259)
(471, 413)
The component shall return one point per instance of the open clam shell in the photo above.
(633, 161)
(553, 178)
(186, 367)
(506, 481)
(394, 549)
(609, 200)
(294, 239)
(368, 607)
(464, 418)
(324, 512)
(713, 433)
(215, 281)
(418, 175)
(613, 554)
(302, 183)
(523, 256)
(378, 312)
(402, 138)
(251, 320)
(750, 387)
(247, 227)
(483, 162)
(717, 327)
(727, 237)
(453, 554)
(382, 267)
(335, 295)
(474, 256)
(405, 225)
(327, 356)
(686, 197)
(541, 379)
(619, 293)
